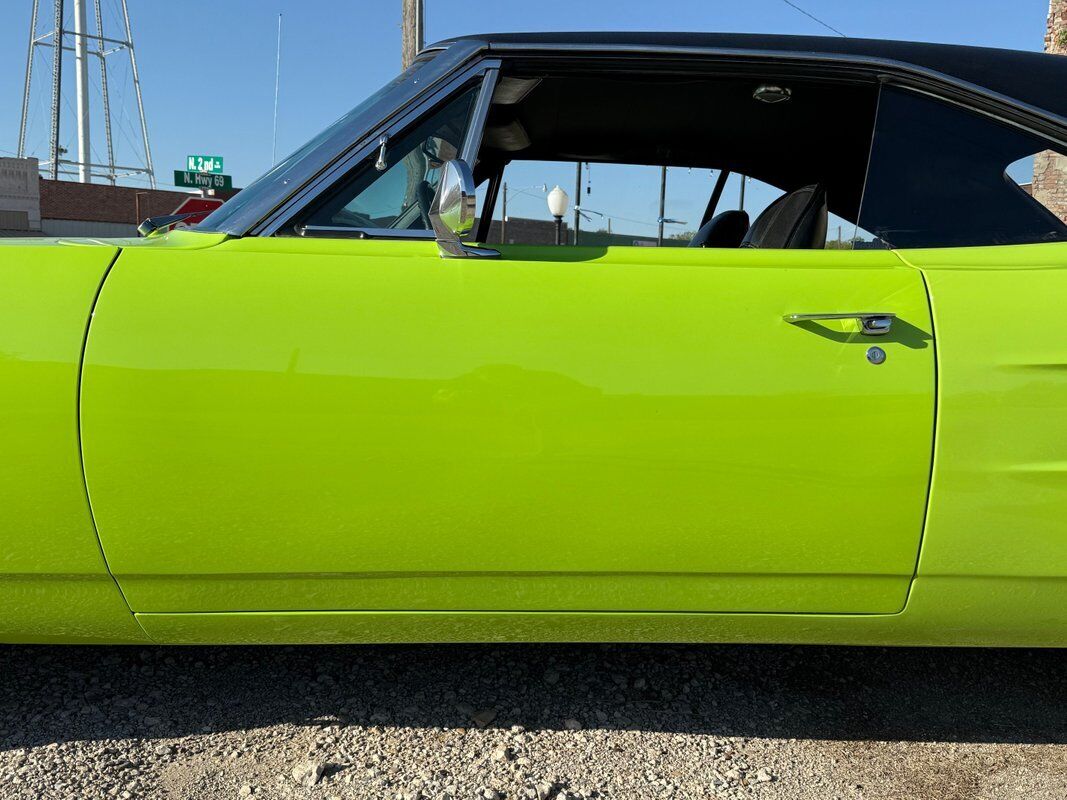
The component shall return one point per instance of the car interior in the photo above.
(810, 138)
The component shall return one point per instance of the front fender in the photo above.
(54, 584)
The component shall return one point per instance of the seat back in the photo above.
(796, 220)
(727, 229)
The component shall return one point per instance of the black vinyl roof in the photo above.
(1036, 79)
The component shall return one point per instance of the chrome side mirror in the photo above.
(453, 210)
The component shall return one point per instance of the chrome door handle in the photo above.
(871, 323)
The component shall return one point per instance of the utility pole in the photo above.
(662, 204)
(411, 37)
(577, 198)
(504, 217)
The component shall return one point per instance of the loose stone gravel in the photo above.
(537, 722)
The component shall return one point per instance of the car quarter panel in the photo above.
(54, 586)
(296, 424)
(999, 492)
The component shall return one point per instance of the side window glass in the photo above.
(940, 176)
(800, 170)
(618, 205)
(396, 193)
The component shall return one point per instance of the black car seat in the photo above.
(796, 220)
(727, 229)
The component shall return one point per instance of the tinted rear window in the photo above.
(937, 178)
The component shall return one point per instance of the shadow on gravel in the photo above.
(53, 694)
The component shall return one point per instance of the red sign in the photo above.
(200, 207)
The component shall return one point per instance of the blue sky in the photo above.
(207, 68)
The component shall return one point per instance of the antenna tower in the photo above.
(75, 38)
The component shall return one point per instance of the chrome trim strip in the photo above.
(343, 232)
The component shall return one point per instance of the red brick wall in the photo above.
(100, 202)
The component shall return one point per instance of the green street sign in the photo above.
(202, 180)
(211, 164)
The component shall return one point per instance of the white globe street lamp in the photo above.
(557, 207)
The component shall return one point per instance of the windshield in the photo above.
(271, 188)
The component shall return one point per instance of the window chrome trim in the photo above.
(328, 177)
(345, 232)
(473, 141)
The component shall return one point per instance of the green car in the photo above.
(342, 409)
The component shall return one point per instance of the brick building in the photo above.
(69, 208)
(1050, 169)
(35, 206)
(522, 230)
(20, 197)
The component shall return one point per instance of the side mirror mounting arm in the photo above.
(452, 212)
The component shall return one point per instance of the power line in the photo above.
(605, 214)
(812, 16)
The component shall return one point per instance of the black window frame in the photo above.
(474, 58)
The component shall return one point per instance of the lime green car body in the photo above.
(298, 422)
(284, 440)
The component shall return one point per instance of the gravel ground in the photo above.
(518, 721)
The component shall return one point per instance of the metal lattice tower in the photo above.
(83, 45)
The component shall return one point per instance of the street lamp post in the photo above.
(557, 207)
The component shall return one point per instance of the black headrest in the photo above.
(796, 220)
(727, 229)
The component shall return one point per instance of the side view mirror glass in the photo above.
(453, 211)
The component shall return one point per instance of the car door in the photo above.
(279, 424)
(318, 422)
